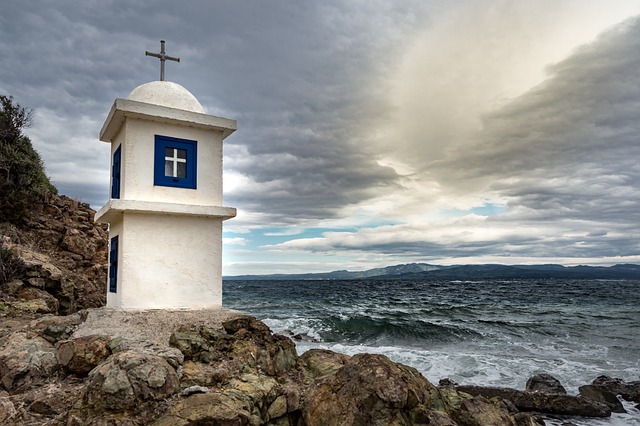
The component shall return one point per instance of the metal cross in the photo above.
(163, 57)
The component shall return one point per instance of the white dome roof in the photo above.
(166, 93)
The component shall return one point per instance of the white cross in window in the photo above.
(175, 160)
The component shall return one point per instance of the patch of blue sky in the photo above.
(487, 210)
(261, 237)
(490, 209)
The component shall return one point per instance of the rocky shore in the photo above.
(65, 360)
(103, 367)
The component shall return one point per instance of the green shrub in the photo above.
(23, 181)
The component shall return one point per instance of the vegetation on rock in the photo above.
(23, 181)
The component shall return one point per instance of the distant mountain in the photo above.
(426, 271)
(390, 271)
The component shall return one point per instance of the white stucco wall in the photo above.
(138, 160)
(168, 262)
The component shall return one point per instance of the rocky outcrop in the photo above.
(602, 394)
(541, 402)
(236, 371)
(629, 391)
(545, 383)
(80, 356)
(56, 262)
(127, 381)
(26, 361)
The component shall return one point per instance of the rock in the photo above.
(26, 362)
(199, 374)
(32, 306)
(479, 411)
(278, 408)
(600, 393)
(629, 391)
(7, 411)
(545, 383)
(447, 383)
(194, 389)
(80, 356)
(541, 402)
(244, 344)
(128, 379)
(370, 389)
(55, 328)
(215, 408)
(76, 242)
(31, 294)
(60, 252)
(173, 356)
(318, 363)
(53, 399)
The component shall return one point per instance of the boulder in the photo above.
(127, 380)
(26, 361)
(51, 304)
(55, 328)
(319, 363)
(372, 390)
(80, 356)
(541, 402)
(244, 344)
(479, 411)
(199, 374)
(600, 393)
(629, 391)
(215, 408)
(173, 356)
(545, 383)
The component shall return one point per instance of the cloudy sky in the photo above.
(370, 133)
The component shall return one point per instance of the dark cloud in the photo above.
(563, 157)
(302, 79)
(567, 149)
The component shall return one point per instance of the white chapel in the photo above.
(165, 208)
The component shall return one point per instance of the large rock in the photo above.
(372, 390)
(173, 356)
(127, 380)
(55, 328)
(545, 383)
(541, 402)
(627, 390)
(244, 344)
(600, 393)
(250, 399)
(216, 408)
(26, 361)
(80, 356)
(319, 363)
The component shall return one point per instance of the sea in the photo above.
(491, 333)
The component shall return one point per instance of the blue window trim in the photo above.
(159, 178)
(113, 265)
(115, 172)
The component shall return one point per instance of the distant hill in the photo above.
(424, 271)
(411, 268)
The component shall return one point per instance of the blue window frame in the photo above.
(175, 162)
(115, 173)
(113, 265)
